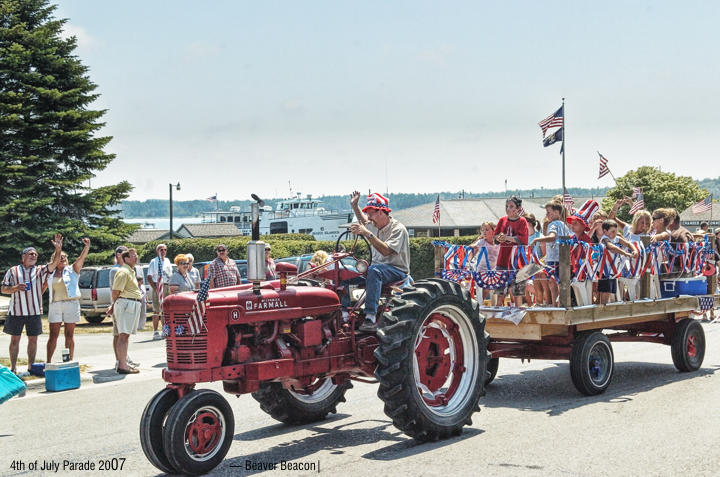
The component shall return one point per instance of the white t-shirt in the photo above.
(553, 248)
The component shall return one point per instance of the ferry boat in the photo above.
(296, 215)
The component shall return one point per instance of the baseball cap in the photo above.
(28, 250)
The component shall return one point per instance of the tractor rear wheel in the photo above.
(301, 407)
(688, 345)
(151, 429)
(432, 360)
(198, 432)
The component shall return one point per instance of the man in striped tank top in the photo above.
(24, 283)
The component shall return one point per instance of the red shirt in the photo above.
(517, 228)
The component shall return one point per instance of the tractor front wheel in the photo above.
(151, 428)
(301, 406)
(198, 432)
(432, 360)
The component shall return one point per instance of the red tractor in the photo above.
(286, 342)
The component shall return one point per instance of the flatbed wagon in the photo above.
(584, 334)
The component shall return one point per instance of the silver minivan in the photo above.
(95, 293)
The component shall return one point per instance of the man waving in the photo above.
(390, 250)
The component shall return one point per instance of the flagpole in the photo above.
(563, 146)
(217, 202)
(438, 199)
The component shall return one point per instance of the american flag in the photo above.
(568, 202)
(159, 288)
(436, 212)
(604, 170)
(703, 206)
(196, 320)
(212, 198)
(639, 203)
(552, 121)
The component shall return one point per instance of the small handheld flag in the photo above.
(436, 211)
(195, 322)
(604, 170)
(639, 203)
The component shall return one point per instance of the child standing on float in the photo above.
(555, 230)
(485, 242)
(511, 230)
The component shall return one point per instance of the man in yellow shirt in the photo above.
(125, 308)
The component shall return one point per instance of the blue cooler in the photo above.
(62, 376)
(683, 286)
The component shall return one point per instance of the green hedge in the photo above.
(422, 258)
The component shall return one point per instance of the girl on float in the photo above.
(511, 230)
(485, 242)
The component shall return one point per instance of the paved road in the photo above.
(651, 421)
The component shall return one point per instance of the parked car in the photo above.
(4, 305)
(95, 293)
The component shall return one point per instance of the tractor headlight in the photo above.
(361, 266)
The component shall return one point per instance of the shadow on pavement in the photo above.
(551, 390)
(106, 376)
(279, 428)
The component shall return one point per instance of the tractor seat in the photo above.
(394, 287)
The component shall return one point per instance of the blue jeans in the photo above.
(379, 274)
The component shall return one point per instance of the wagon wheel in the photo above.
(591, 363)
(492, 369)
(198, 432)
(356, 245)
(151, 429)
(688, 345)
(431, 360)
(301, 406)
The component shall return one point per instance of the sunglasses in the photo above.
(184, 263)
(221, 250)
(657, 218)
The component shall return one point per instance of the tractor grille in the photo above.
(184, 350)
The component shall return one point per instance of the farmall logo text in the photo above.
(265, 304)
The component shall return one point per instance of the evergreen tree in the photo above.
(48, 146)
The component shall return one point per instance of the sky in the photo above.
(325, 97)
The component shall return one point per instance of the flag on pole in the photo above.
(703, 206)
(552, 121)
(553, 138)
(212, 198)
(568, 202)
(436, 211)
(604, 170)
(196, 320)
(639, 203)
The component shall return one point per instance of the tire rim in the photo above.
(204, 433)
(320, 393)
(445, 360)
(599, 364)
(693, 345)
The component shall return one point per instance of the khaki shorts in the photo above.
(125, 316)
(155, 301)
(66, 311)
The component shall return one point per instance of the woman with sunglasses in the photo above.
(181, 281)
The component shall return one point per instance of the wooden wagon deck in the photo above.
(541, 322)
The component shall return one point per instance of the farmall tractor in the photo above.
(286, 342)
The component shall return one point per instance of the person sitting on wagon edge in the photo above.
(390, 250)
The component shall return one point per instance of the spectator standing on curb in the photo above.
(159, 267)
(143, 300)
(24, 283)
(64, 304)
(125, 309)
(223, 271)
(119, 262)
(194, 272)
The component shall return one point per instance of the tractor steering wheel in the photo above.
(356, 245)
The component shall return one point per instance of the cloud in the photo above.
(84, 39)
